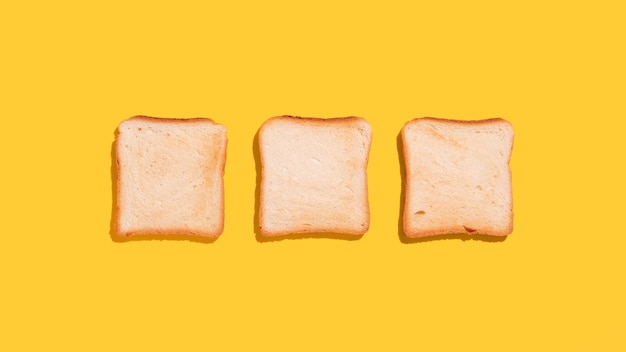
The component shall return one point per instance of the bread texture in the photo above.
(458, 179)
(314, 175)
(170, 176)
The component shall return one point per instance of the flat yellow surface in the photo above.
(71, 72)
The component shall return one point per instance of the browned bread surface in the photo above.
(458, 178)
(170, 176)
(314, 175)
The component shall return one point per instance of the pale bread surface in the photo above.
(458, 178)
(170, 176)
(314, 175)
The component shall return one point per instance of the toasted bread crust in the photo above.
(174, 230)
(172, 120)
(458, 122)
(316, 120)
(416, 232)
(295, 228)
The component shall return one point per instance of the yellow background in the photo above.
(72, 71)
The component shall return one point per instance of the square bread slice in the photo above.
(170, 176)
(314, 175)
(458, 179)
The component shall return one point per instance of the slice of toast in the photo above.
(314, 175)
(458, 179)
(170, 176)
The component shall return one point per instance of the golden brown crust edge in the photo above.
(171, 120)
(315, 120)
(148, 231)
(458, 122)
(407, 189)
(117, 186)
(348, 121)
(299, 230)
(173, 231)
(413, 233)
